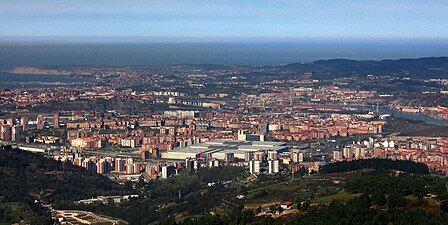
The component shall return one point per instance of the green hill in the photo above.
(29, 180)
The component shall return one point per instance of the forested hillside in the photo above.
(375, 164)
(431, 67)
(29, 180)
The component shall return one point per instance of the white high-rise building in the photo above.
(40, 122)
(101, 166)
(118, 165)
(16, 131)
(5, 133)
(337, 155)
(24, 123)
(297, 156)
(213, 163)
(167, 171)
(347, 152)
(130, 166)
(254, 166)
(360, 153)
(272, 155)
(273, 166)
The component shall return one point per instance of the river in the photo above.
(411, 116)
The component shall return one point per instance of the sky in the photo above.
(226, 19)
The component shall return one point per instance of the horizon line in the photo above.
(210, 39)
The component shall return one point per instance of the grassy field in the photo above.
(428, 204)
(318, 189)
(318, 186)
(341, 196)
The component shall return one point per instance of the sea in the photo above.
(27, 53)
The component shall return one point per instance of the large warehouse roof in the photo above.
(218, 149)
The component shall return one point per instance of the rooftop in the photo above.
(222, 146)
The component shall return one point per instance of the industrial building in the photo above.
(220, 149)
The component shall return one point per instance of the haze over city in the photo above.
(223, 112)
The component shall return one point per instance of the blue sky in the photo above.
(211, 19)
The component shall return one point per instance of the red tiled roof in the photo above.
(287, 203)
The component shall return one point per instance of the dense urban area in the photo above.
(213, 144)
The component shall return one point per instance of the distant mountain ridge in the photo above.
(430, 67)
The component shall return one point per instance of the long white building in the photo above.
(219, 148)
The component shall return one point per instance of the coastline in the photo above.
(35, 71)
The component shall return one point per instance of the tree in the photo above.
(299, 203)
(444, 206)
(376, 164)
(365, 200)
(378, 198)
(306, 205)
(396, 200)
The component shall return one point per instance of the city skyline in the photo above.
(221, 112)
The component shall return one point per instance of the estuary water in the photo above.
(10, 80)
(411, 116)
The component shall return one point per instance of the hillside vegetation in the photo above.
(28, 181)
